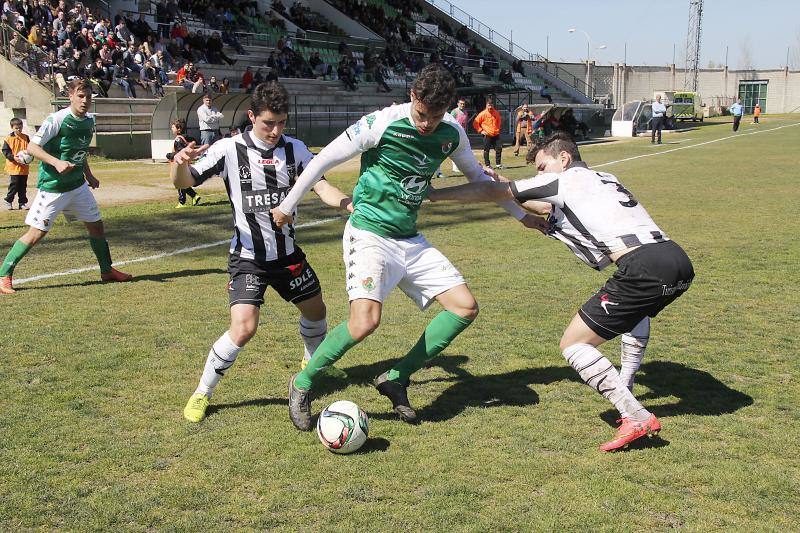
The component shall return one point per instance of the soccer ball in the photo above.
(24, 157)
(343, 427)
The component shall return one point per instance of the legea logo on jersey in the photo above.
(268, 161)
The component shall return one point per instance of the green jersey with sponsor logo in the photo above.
(397, 165)
(67, 137)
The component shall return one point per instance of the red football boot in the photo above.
(115, 275)
(6, 285)
(630, 430)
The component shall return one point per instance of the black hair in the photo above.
(434, 86)
(15, 122)
(270, 96)
(553, 145)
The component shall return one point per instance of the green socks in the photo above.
(14, 256)
(100, 249)
(335, 345)
(437, 336)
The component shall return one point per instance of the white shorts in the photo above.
(77, 204)
(375, 265)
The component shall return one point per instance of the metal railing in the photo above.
(508, 46)
(37, 62)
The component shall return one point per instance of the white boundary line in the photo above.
(692, 145)
(156, 256)
(326, 220)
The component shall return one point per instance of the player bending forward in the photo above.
(602, 223)
(401, 147)
(259, 168)
(62, 147)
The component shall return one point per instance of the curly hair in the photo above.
(270, 96)
(553, 145)
(434, 86)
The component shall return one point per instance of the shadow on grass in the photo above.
(260, 402)
(698, 392)
(147, 277)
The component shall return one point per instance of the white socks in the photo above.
(633, 345)
(313, 333)
(221, 357)
(598, 372)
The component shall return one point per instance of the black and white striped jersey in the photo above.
(593, 213)
(257, 177)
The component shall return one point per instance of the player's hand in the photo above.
(537, 223)
(63, 166)
(279, 218)
(93, 182)
(489, 171)
(189, 153)
(349, 207)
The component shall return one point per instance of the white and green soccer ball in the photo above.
(343, 427)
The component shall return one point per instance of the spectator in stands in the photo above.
(247, 80)
(545, 93)
(272, 75)
(225, 86)
(258, 78)
(208, 117)
(199, 86)
(162, 21)
(149, 78)
(316, 64)
(272, 61)
(123, 33)
(100, 77)
(213, 86)
(214, 51)
(346, 75)
(506, 77)
(488, 124)
(380, 74)
(124, 78)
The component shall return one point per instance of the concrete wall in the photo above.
(22, 92)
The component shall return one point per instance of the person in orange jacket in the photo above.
(17, 171)
(756, 113)
(488, 123)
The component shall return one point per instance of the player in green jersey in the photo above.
(401, 147)
(62, 147)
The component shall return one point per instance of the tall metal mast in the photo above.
(693, 45)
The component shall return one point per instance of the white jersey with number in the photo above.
(593, 213)
(257, 178)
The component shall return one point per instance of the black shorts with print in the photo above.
(647, 280)
(291, 277)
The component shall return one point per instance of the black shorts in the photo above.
(291, 277)
(646, 281)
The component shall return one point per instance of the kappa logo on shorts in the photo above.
(604, 301)
(368, 283)
(230, 285)
(251, 282)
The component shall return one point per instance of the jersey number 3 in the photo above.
(620, 188)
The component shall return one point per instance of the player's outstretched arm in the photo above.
(179, 169)
(332, 196)
(480, 191)
(338, 151)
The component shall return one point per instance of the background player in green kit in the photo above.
(62, 147)
(401, 147)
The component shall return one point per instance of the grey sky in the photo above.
(650, 29)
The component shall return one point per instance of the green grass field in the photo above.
(95, 376)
